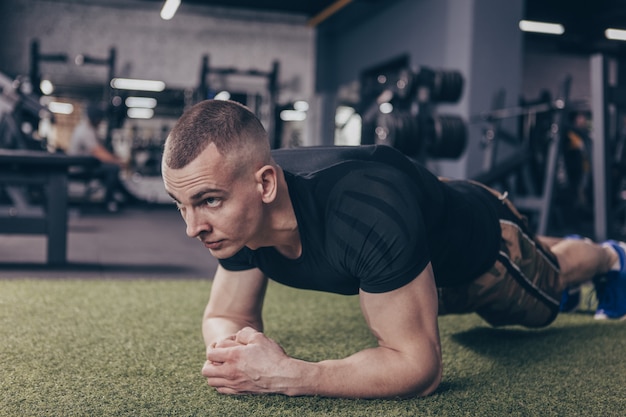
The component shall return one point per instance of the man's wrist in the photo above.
(303, 378)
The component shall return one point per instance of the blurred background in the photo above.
(524, 95)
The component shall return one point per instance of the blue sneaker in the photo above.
(570, 299)
(612, 297)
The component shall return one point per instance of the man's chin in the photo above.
(223, 252)
(219, 254)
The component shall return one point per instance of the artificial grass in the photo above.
(133, 348)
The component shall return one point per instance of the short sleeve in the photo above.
(84, 140)
(375, 228)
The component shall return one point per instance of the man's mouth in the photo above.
(213, 245)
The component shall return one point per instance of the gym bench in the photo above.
(20, 168)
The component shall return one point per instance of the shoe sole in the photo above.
(603, 316)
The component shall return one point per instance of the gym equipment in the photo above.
(206, 90)
(116, 110)
(608, 105)
(534, 165)
(20, 113)
(36, 58)
(398, 108)
(19, 168)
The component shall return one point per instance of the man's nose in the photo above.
(196, 224)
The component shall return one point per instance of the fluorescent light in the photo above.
(139, 113)
(615, 34)
(222, 95)
(292, 116)
(60, 108)
(385, 108)
(169, 9)
(301, 105)
(541, 27)
(46, 87)
(144, 102)
(137, 85)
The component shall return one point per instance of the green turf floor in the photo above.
(133, 348)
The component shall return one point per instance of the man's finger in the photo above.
(221, 354)
(212, 370)
(226, 343)
(246, 335)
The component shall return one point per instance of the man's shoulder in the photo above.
(311, 159)
(364, 177)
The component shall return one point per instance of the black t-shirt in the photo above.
(375, 221)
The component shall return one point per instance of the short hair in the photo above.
(229, 125)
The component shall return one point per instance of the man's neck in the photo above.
(283, 222)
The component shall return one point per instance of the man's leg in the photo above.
(580, 260)
(110, 178)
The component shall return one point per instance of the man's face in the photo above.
(221, 209)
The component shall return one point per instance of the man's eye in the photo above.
(212, 202)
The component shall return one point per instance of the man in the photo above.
(85, 142)
(364, 221)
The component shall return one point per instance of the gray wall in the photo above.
(148, 47)
(547, 70)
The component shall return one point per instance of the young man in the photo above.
(364, 221)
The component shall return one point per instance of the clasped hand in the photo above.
(247, 362)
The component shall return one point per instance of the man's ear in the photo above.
(267, 181)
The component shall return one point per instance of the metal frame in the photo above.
(21, 167)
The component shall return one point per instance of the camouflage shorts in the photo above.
(522, 287)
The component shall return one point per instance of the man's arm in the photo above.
(406, 362)
(235, 302)
(101, 153)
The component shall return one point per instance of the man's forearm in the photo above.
(372, 373)
(236, 301)
(407, 361)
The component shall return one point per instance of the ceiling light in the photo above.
(301, 105)
(138, 113)
(137, 85)
(292, 116)
(169, 9)
(615, 34)
(541, 27)
(46, 87)
(60, 108)
(385, 108)
(144, 102)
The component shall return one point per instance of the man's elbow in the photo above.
(424, 379)
(434, 382)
